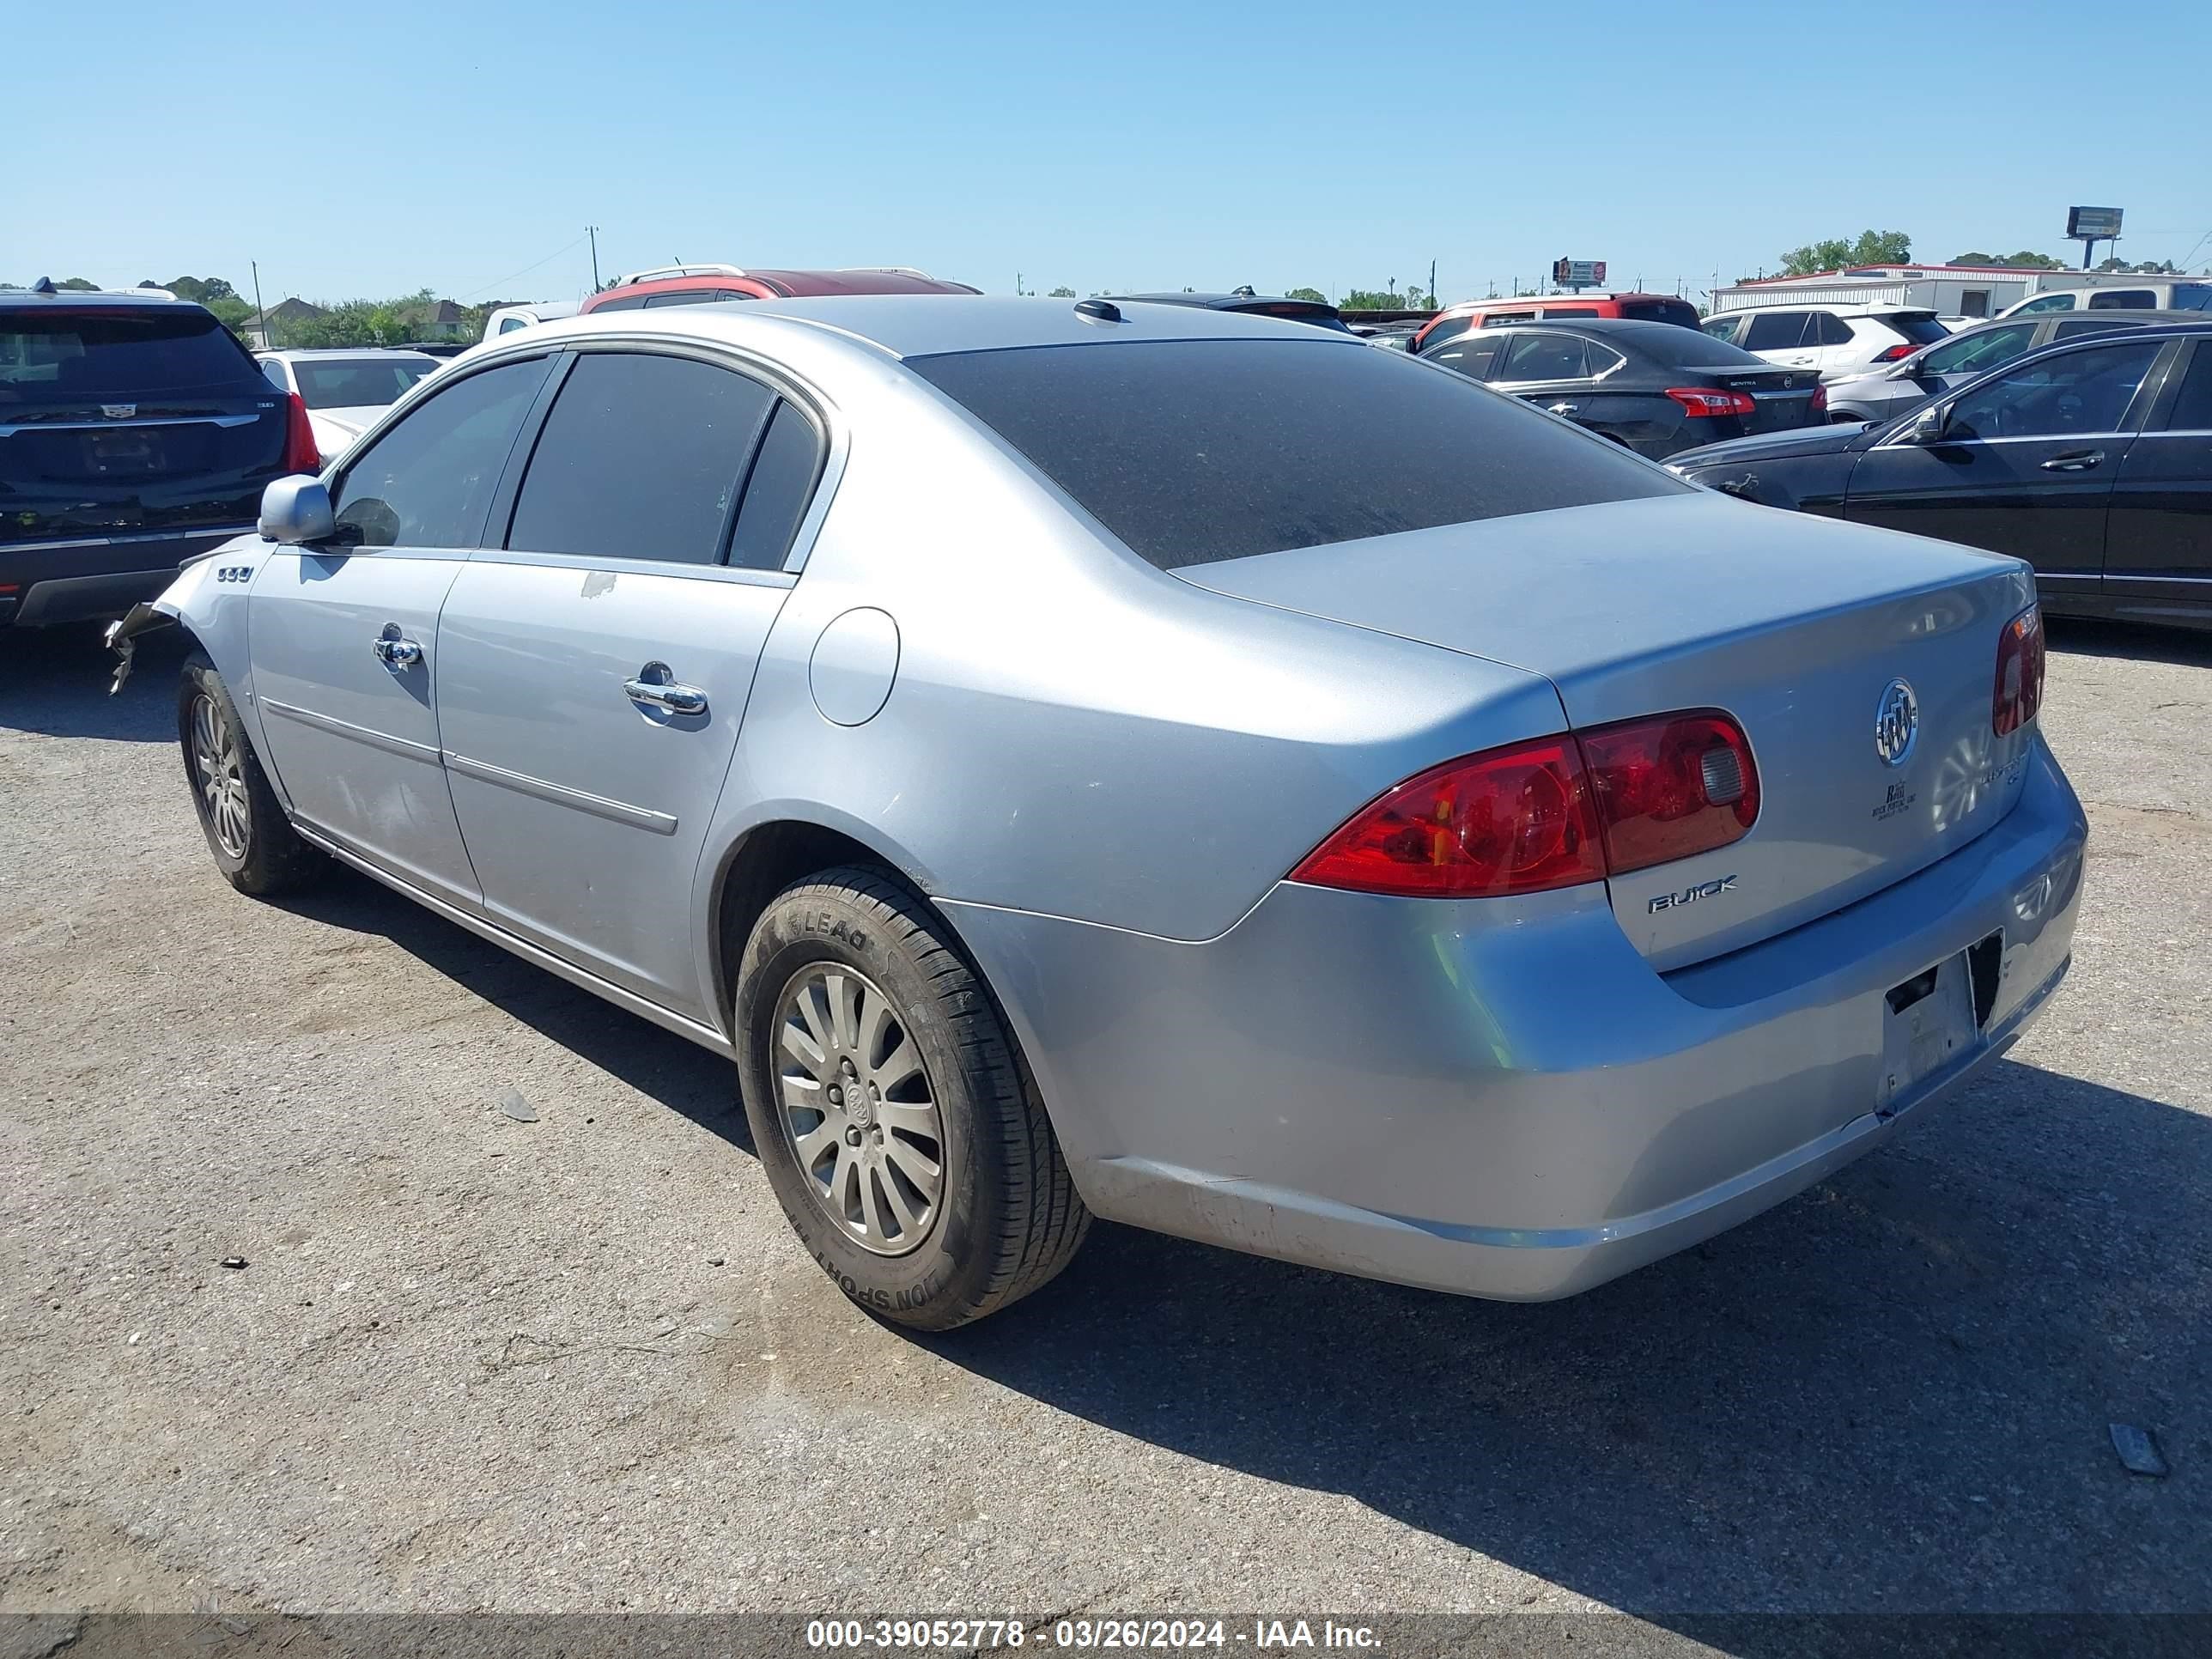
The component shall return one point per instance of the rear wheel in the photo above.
(903, 1137)
(254, 844)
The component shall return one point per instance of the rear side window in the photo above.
(53, 356)
(1197, 451)
(1777, 331)
(689, 296)
(625, 302)
(2192, 409)
(777, 492)
(360, 382)
(1552, 312)
(1499, 318)
(641, 458)
(1660, 310)
(2123, 299)
(1918, 326)
(429, 481)
(1829, 329)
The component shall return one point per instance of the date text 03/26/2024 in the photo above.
(971, 1635)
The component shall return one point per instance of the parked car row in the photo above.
(2091, 459)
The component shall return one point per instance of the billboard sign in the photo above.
(1579, 273)
(2093, 224)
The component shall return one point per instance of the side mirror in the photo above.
(296, 510)
(1927, 427)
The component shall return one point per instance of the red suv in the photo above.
(1551, 308)
(692, 285)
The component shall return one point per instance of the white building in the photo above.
(1948, 291)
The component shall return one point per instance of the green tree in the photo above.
(79, 284)
(201, 290)
(1873, 247)
(1388, 299)
(1061, 293)
(1313, 294)
(2023, 258)
(2147, 268)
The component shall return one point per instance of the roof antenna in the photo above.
(1098, 311)
(44, 285)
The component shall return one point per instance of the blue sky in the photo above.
(370, 151)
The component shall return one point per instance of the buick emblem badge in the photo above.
(1896, 723)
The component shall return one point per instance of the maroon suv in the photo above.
(692, 285)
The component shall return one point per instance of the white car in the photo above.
(508, 319)
(1835, 339)
(345, 389)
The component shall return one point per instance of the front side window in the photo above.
(642, 457)
(1723, 328)
(1475, 356)
(1449, 328)
(2046, 302)
(2080, 392)
(1194, 451)
(2123, 299)
(1971, 354)
(427, 482)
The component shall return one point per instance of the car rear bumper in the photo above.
(1503, 1098)
(46, 582)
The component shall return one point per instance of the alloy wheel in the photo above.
(857, 1109)
(218, 771)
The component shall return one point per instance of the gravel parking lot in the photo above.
(579, 1363)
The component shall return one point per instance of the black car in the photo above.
(1318, 312)
(135, 432)
(2092, 460)
(1656, 388)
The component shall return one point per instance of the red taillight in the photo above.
(1897, 354)
(300, 454)
(1552, 813)
(1703, 402)
(2019, 690)
(1670, 788)
(1819, 400)
(1515, 820)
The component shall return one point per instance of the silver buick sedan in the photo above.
(1157, 763)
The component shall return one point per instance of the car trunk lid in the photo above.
(1796, 626)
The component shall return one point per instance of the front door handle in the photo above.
(655, 687)
(2081, 461)
(394, 652)
(1565, 409)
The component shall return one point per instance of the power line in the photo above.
(503, 281)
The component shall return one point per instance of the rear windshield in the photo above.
(1197, 451)
(1918, 326)
(50, 355)
(363, 383)
(1660, 310)
(1296, 311)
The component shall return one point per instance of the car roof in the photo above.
(1839, 308)
(1222, 301)
(1635, 330)
(914, 325)
(76, 297)
(1607, 296)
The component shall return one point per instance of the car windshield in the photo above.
(1194, 451)
(55, 355)
(357, 382)
(2190, 296)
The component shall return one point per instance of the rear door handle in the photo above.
(655, 687)
(2080, 462)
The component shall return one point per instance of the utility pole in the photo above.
(592, 231)
(268, 330)
(1432, 281)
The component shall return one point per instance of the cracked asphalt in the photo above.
(579, 1363)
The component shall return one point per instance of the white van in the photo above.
(2150, 294)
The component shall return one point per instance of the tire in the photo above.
(254, 844)
(1003, 1217)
